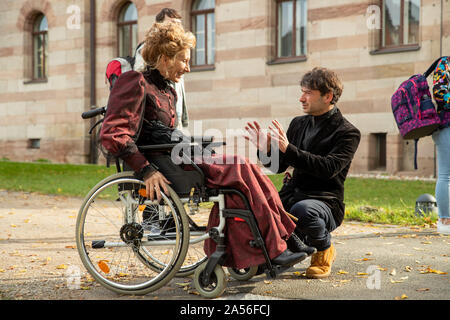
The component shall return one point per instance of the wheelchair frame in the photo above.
(209, 272)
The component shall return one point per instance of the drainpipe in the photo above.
(93, 154)
(440, 55)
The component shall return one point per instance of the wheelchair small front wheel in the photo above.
(243, 274)
(216, 285)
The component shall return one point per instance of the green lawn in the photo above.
(370, 200)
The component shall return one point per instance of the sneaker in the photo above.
(321, 262)
(443, 228)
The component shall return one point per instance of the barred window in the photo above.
(40, 47)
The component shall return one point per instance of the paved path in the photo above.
(37, 247)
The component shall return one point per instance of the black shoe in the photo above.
(296, 245)
(289, 258)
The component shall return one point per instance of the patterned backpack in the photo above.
(413, 108)
(441, 90)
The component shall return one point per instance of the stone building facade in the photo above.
(250, 70)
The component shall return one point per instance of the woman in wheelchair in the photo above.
(139, 99)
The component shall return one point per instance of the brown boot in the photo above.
(321, 262)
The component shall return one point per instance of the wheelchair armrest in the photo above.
(170, 146)
(164, 146)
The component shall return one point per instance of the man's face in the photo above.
(313, 102)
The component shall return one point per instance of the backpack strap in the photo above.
(432, 67)
(415, 153)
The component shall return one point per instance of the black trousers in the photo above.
(315, 222)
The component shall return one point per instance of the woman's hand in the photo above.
(258, 137)
(154, 183)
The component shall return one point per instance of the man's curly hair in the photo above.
(325, 81)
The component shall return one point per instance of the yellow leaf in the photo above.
(362, 274)
(396, 281)
(342, 272)
(430, 270)
(267, 282)
(61, 266)
(13, 226)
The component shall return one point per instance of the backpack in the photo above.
(119, 65)
(441, 90)
(414, 110)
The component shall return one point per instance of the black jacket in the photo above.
(320, 163)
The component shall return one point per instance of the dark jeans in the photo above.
(315, 222)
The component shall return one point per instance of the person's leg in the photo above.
(314, 226)
(442, 192)
(315, 222)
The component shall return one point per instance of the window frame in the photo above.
(193, 15)
(34, 35)
(382, 32)
(125, 24)
(293, 57)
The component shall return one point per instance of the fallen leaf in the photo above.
(61, 266)
(430, 270)
(402, 297)
(396, 281)
(393, 272)
(408, 269)
(342, 272)
(423, 289)
(267, 282)
(362, 274)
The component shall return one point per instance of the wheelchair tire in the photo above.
(114, 245)
(216, 286)
(243, 274)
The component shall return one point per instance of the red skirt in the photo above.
(273, 222)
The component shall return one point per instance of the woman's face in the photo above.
(174, 69)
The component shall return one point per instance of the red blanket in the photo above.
(274, 224)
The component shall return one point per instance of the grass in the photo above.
(368, 200)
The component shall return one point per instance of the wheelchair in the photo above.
(132, 245)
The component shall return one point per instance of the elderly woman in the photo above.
(138, 98)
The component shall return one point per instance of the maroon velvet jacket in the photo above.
(127, 110)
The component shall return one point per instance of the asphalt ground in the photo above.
(374, 263)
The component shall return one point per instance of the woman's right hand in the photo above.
(154, 183)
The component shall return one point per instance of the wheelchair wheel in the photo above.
(243, 274)
(119, 249)
(195, 254)
(215, 287)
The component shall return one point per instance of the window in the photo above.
(400, 23)
(203, 27)
(291, 28)
(40, 48)
(127, 30)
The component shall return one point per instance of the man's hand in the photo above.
(154, 183)
(260, 138)
(279, 136)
